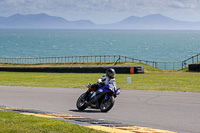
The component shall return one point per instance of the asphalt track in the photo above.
(174, 111)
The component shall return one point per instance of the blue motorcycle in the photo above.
(103, 98)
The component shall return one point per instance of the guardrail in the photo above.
(67, 59)
(191, 60)
(100, 59)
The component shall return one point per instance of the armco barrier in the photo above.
(194, 67)
(118, 69)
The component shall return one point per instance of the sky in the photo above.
(103, 11)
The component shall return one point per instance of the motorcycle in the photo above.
(103, 98)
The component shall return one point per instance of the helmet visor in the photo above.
(111, 75)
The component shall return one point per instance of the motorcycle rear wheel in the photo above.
(107, 104)
(80, 104)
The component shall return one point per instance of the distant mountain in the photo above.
(154, 21)
(42, 21)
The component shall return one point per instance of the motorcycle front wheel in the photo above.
(107, 104)
(80, 104)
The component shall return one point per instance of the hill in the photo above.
(154, 21)
(42, 21)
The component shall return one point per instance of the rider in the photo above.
(108, 78)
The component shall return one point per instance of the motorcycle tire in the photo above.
(107, 104)
(80, 104)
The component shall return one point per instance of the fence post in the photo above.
(182, 65)
(197, 58)
(83, 59)
(192, 59)
(125, 59)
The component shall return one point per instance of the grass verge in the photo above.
(153, 79)
(147, 67)
(159, 81)
(18, 123)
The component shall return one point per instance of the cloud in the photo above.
(191, 4)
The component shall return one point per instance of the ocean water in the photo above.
(164, 46)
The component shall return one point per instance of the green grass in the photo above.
(160, 81)
(12, 122)
(153, 79)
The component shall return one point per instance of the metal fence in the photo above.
(191, 60)
(100, 59)
(68, 59)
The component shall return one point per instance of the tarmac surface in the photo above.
(173, 111)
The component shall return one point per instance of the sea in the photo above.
(152, 45)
